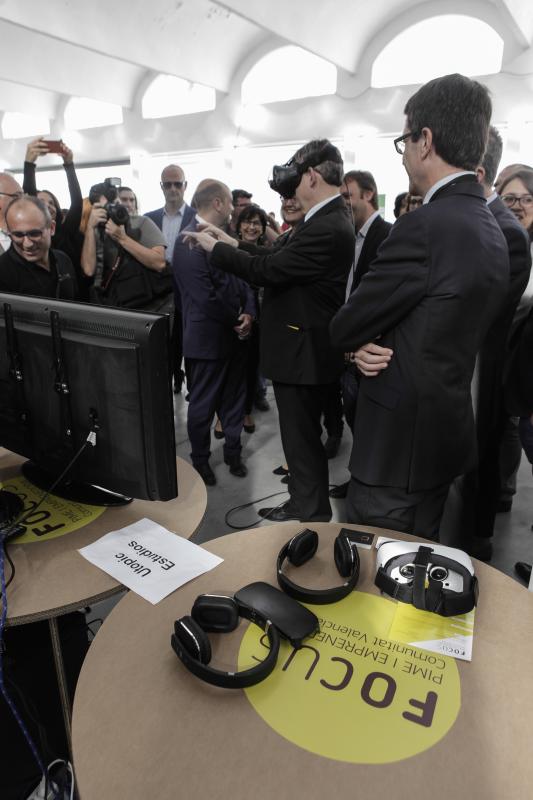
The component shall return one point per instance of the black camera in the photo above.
(117, 213)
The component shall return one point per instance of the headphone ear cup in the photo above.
(193, 639)
(302, 547)
(343, 555)
(215, 613)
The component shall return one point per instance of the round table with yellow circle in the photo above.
(355, 712)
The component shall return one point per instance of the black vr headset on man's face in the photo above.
(286, 178)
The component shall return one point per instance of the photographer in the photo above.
(124, 254)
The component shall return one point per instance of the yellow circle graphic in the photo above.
(350, 693)
(54, 517)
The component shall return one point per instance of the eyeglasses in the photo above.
(170, 184)
(399, 142)
(525, 200)
(255, 222)
(12, 194)
(36, 234)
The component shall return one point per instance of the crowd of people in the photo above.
(416, 335)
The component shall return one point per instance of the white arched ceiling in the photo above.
(111, 52)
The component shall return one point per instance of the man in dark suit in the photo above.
(217, 315)
(480, 489)
(429, 299)
(360, 193)
(171, 219)
(304, 285)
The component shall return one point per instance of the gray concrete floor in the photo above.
(262, 452)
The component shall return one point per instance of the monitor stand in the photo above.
(11, 506)
(70, 490)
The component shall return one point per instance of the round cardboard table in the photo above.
(145, 727)
(52, 578)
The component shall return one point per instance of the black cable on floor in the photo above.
(247, 505)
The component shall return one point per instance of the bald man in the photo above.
(30, 266)
(9, 189)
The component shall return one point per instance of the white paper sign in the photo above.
(149, 559)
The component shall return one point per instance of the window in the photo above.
(20, 126)
(82, 112)
(439, 46)
(168, 96)
(288, 73)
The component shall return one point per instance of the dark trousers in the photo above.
(333, 412)
(300, 409)
(216, 385)
(417, 513)
(350, 389)
(176, 348)
(479, 490)
(526, 437)
(510, 457)
(252, 368)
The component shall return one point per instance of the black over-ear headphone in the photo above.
(301, 548)
(220, 614)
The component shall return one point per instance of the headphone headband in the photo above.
(301, 548)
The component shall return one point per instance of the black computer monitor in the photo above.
(67, 368)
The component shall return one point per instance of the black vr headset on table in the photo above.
(286, 178)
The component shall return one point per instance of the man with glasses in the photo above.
(420, 315)
(171, 219)
(175, 214)
(30, 266)
(9, 189)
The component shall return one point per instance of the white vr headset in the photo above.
(431, 577)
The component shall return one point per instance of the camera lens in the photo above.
(438, 573)
(407, 571)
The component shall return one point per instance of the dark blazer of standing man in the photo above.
(304, 284)
(217, 312)
(480, 489)
(429, 299)
(172, 218)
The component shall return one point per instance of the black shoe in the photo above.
(249, 428)
(236, 467)
(281, 470)
(479, 547)
(339, 491)
(177, 388)
(239, 470)
(523, 571)
(285, 479)
(206, 473)
(281, 514)
(332, 445)
(218, 434)
(261, 403)
(504, 506)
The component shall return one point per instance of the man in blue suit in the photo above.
(217, 311)
(171, 219)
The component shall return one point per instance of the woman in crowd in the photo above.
(516, 193)
(251, 228)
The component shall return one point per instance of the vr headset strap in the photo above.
(397, 591)
(421, 562)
